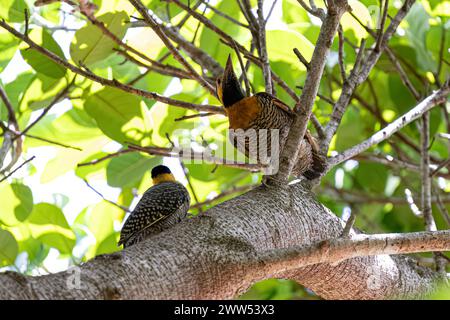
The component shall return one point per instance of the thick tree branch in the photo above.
(220, 253)
(337, 250)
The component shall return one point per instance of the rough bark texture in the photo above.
(207, 258)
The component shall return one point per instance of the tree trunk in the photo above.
(213, 256)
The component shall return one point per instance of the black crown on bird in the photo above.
(160, 169)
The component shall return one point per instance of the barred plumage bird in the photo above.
(163, 205)
(263, 111)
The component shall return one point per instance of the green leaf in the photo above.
(121, 116)
(25, 195)
(161, 10)
(91, 45)
(8, 46)
(281, 43)
(109, 245)
(372, 176)
(35, 249)
(48, 224)
(15, 92)
(418, 21)
(8, 248)
(41, 92)
(157, 82)
(443, 290)
(51, 12)
(65, 129)
(67, 159)
(361, 11)
(100, 222)
(40, 62)
(13, 10)
(97, 170)
(293, 13)
(17, 203)
(206, 172)
(211, 43)
(127, 170)
(350, 131)
(400, 95)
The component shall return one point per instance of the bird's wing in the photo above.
(157, 203)
(277, 102)
(280, 104)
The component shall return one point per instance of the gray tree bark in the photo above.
(217, 255)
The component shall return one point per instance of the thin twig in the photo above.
(430, 225)
(189, 154)
(224, 15)
(262, 48)
(349, 224)
(244, 72)
(11, 115)
(424, 106)
(395, 163)
(52, 142)
(107, 200)
(112, 83)
(109, 156)
(441, 206)
(403, 76)
(382, 23)
(12, 172)
(198, 115)
(439, 167)
(55, 100)
(301, 58)
(274, 3)
(156, 67)
(8, 139)
(191, 186)
(319, 13)
(341, 54)
(444, 135)
(176, 54)
(441, 53)
(359, 76)
(321, 96)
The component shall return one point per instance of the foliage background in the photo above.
(50, 219)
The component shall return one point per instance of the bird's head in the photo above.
(161, 174)
(228, 88)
